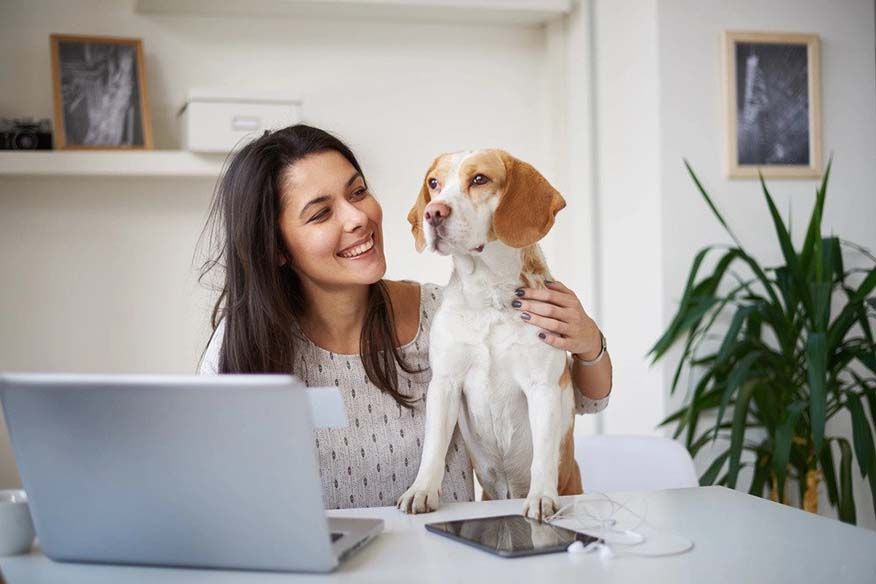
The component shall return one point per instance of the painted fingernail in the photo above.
(516, 304)
(548, 281)
(525, 315)
(541, 336)
(519, 292)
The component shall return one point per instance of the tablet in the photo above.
(510, 536)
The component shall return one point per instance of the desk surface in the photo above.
(738, 538)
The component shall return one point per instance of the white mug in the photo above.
(16, 526)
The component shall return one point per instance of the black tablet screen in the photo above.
(510, 535)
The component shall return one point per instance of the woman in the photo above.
(301, 247)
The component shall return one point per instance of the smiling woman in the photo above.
(288, 213)
(298, 237)
(329, 223)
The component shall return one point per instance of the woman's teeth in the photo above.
(359, 249)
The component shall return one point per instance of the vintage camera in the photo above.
(25, 134)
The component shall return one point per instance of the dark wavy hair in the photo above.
(260, 300)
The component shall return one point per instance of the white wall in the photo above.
(691, 121)
(97, 272)
(628, 207)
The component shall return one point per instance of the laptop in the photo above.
(197, 471)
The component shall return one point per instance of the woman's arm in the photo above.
(593, 382)
(566, 325)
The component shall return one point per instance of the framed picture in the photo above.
(100, 93)
(772, 92)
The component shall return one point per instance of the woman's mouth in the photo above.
(361, 250)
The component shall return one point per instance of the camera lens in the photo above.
(25, 141)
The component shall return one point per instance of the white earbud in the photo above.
(605, 552)
(591, 517)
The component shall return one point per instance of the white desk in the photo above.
(738, 539)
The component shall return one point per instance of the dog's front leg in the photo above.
(442, 411)
(545, 420)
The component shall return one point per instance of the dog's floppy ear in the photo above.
(415, 215)
(527, 206)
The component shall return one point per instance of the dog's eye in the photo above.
(479, 179)
(433, 183)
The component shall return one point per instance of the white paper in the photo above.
(327, 407)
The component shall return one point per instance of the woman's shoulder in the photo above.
(418, 287)
(414, 303)
(411, 296)
(403, 293)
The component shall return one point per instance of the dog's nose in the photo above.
(436, 213)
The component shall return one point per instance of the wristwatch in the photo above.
(595, 360)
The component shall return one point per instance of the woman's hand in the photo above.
(562, 319)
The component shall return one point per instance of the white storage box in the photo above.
(219, 121)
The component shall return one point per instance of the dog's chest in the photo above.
(494, 417)
(500, 354)
(486, 324)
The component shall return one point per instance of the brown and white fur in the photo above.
(510, 391)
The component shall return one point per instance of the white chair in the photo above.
(633, 463)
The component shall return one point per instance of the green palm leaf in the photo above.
(740, 414)
(846, 493)
(817, 358)
(782, 444)
(777, 360)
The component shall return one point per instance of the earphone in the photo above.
(578, 547)
(588, 520)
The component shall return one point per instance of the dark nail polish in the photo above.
(525, 315)
(541, 336)
(516, 304)
(519, 292)
(548, 281)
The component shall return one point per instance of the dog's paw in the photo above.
(540, 507)
(419, 500)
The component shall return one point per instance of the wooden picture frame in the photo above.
(111, 68)
(773, 104)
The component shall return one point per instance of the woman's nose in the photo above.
(436, 212)
(355, 218)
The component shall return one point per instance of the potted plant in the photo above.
(783, 366)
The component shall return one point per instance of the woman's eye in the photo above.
(479, 179)
(360, 193)
(433, 183)
(321, 215)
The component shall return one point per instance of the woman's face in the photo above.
(330, 223)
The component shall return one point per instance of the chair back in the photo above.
(633, 463)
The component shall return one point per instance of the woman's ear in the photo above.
(415, 215)
(527, 206)
(283, 258)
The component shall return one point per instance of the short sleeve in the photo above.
(210, 361)
(431, 297)
(585, 405)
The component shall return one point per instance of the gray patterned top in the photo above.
(374, 459)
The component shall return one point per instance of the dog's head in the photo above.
(471, 198)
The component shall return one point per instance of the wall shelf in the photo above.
(153, 163)
(532, 12)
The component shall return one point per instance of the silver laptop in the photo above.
(199, 471)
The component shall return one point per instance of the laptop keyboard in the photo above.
(336, 536)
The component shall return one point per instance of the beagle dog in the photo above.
(510, 392)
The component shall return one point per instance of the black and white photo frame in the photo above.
(99, 86)
(773, 104)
